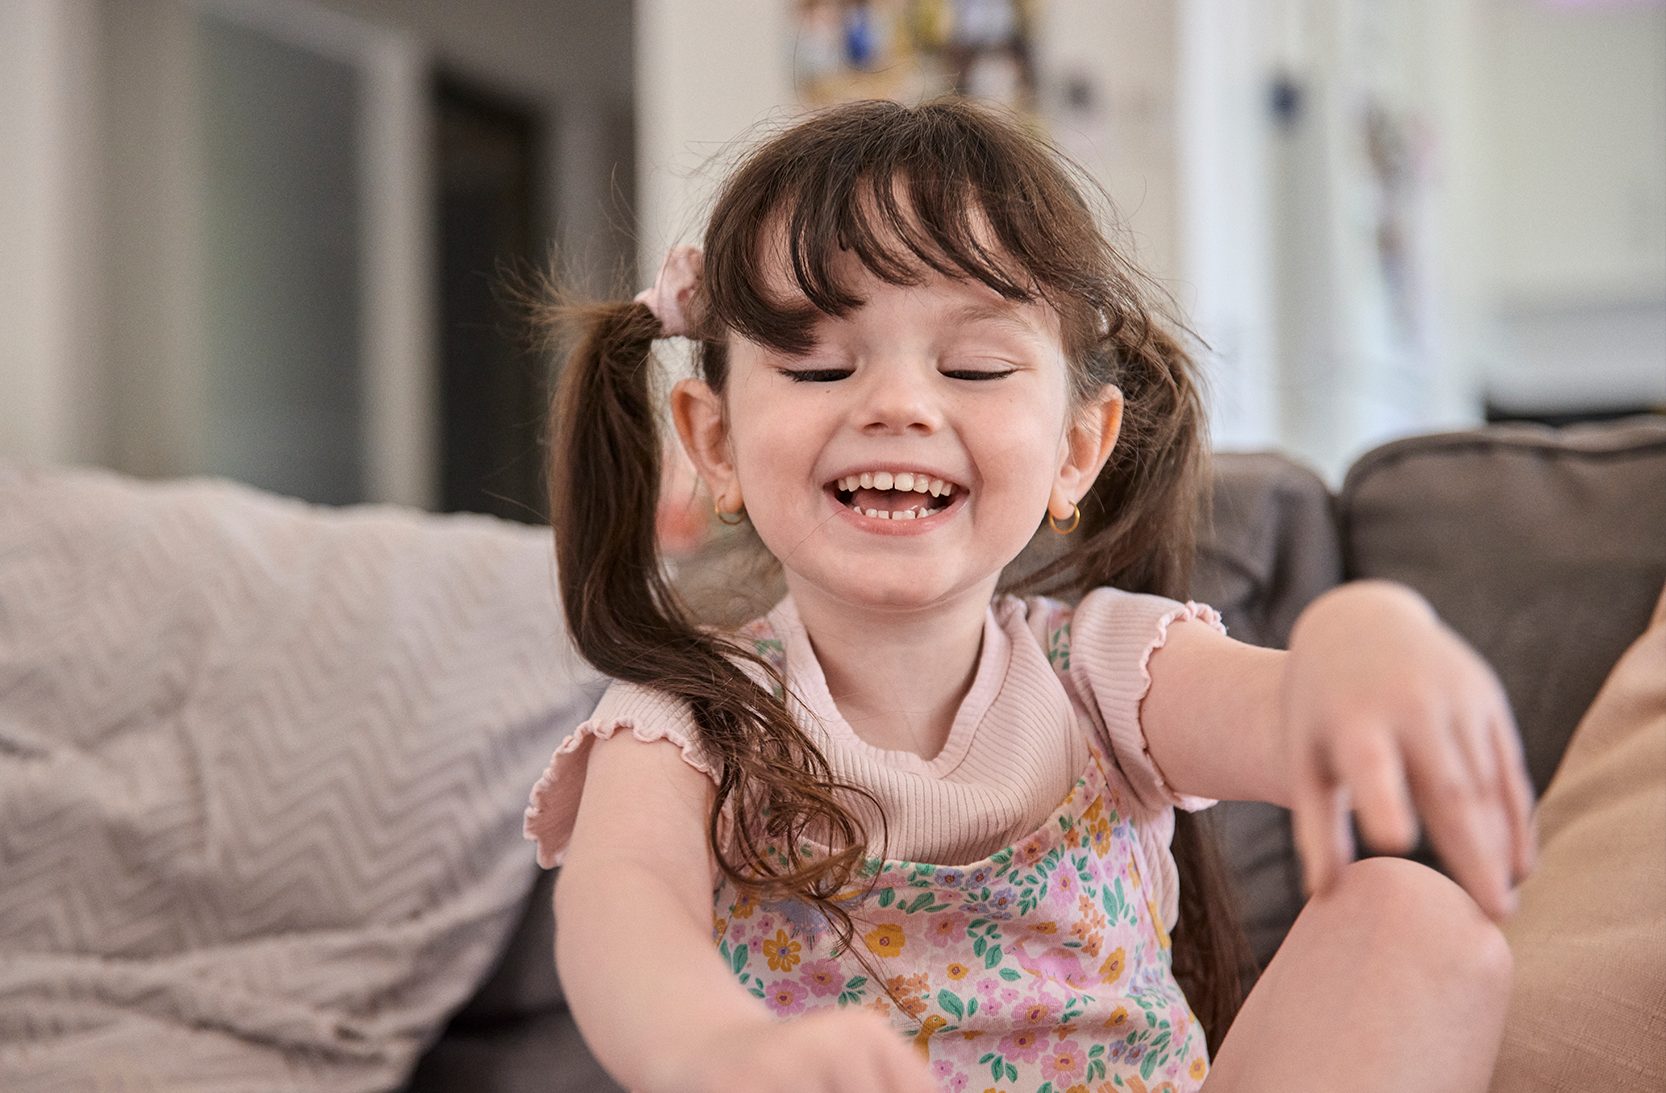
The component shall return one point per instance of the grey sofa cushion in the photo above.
(1269, 548)
(1544, 548)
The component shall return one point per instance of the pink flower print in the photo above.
(823, 977)
(946, 929)
(1024, 1044)
(948, 1078)
(786, 998)
(989, 991)
(1063, 1063)
(1064, 883)
(1036, 1012)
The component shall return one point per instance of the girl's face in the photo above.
(912, 453)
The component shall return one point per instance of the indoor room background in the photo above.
(280, 240)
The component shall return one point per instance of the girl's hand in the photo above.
(825, 1051)
(1387, 711)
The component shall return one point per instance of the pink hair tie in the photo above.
(673, 289)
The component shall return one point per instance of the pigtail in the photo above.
(604, 486)
(1139, 519)
(1138, 532)
(1209, 948)
(627, 621)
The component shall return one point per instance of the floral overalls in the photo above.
(1043, 968)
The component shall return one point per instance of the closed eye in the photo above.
(978, 373)
(816, 375)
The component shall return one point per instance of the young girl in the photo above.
(904, 833)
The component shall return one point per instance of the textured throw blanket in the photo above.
(262, 768)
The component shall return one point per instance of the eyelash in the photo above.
(830, 375)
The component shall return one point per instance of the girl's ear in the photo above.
(1088, 442)
(698, 414)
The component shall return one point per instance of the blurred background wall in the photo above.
(268, 238)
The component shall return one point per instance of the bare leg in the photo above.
(1392, 979)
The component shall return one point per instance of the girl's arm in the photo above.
(1378, 707)
(655, 1002)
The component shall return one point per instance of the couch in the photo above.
(262, 764)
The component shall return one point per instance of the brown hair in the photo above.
(945, 186)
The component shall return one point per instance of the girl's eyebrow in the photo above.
(1003, 314)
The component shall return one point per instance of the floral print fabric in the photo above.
(1041, 969)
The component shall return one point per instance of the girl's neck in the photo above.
(897, 677)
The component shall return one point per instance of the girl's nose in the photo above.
(900, 398)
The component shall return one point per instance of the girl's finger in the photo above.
(1375, 776)
(1475, 734)
(1466, 824)
(1319, 822)
(1518, 797)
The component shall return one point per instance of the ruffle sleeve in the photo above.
(646, 714)
(1112, 637)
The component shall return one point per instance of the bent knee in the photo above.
(1413, 908)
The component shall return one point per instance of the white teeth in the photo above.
(902, 481)
(900, 514)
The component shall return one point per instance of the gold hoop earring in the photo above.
(1075, 518)
(723, 517)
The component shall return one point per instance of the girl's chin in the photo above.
(884, 590)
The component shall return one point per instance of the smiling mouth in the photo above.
(900, 495)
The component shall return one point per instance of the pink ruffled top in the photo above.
(1015, 750)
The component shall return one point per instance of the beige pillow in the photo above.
(1589, 1007)
(262, 770)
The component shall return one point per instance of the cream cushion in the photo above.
(262, 768)
(1588, 1011)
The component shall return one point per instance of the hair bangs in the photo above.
(902, 191)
